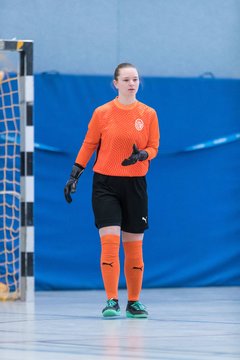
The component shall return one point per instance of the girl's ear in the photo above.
(115, 83)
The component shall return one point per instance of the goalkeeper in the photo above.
(125, 134)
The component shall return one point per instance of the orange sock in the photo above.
(110, 265)
(133, 268)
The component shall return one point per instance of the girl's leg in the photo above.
(133, 264)
(110, 266)
(133, 268)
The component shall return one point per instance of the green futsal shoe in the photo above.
(136, 310)
(112, 308)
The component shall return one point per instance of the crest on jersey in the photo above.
(139, 124)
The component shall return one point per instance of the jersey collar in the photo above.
(124, 107)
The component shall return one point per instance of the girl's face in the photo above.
(127, 82)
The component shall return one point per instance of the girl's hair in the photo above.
(121, 66)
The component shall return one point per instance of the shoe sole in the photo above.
(110, 312)
(136, 316)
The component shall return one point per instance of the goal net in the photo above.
(16, 171)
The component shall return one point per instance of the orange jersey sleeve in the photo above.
(113, 130)
(154, 138)
(91, 141)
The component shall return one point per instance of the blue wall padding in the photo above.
(194, 197)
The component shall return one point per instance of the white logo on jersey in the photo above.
(139, 124)
(144, 219)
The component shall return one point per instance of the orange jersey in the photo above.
(113, 130)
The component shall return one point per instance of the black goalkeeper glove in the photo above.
(71, 184)
(137, 155)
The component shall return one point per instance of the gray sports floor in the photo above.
(202, 323)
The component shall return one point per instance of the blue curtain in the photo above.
(194, 195)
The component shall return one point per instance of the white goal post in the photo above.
(16, 174)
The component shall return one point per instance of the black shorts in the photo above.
(122, 201)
